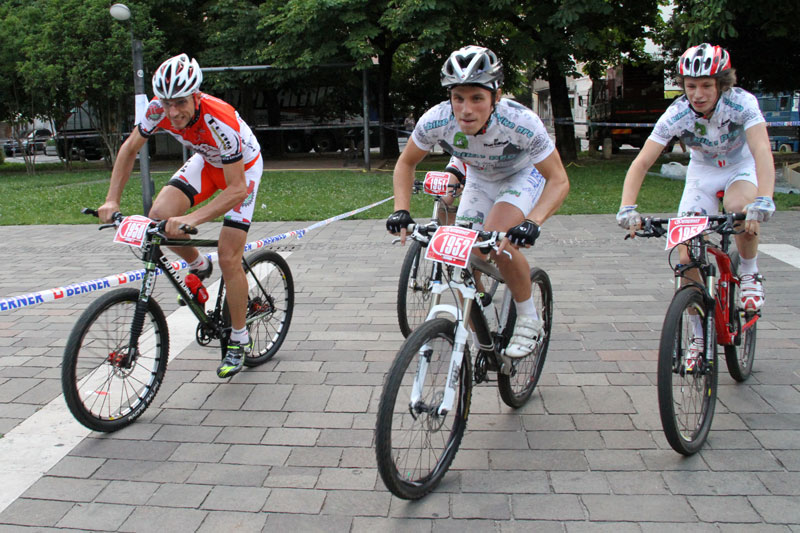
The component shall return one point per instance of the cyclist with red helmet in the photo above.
(227, 157)
(729, 147)
(503, 144)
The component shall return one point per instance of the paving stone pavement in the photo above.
(288, 446)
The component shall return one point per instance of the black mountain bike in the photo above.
(117, 352)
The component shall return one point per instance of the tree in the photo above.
(19, 105)
(76, 54)
(306, 33)
(763, 42)
(559, 33)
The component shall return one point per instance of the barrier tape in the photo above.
(58, 293)
(647, 124)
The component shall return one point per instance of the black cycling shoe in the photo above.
(203, 274)
(234, 359)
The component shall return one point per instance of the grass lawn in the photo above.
(53, 196)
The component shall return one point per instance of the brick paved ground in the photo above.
(288, 446)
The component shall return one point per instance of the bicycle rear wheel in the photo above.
(739, 358)
(517, 387)
(686, 398)
(414, 444)
(270, 304)
(414, 288)
(103, 388)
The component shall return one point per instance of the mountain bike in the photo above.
(117, 353)
(423, 409)
(416, 275)
(687, 385)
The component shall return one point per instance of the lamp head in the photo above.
(120, 12)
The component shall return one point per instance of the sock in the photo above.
(748, 266)
(527, 308)
(240, 335)
(200, 263)
(697, 326)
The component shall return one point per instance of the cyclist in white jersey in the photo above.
(730, 151)
(503, 144)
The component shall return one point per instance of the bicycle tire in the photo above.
(686, 399)
(269, 311)
(517, 387)
(414, 288)
(739, 359)
(414, 445)
(91, 382)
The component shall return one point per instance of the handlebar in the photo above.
(156, 226)
(722, 224)
(423, 233)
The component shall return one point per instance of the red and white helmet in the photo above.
(472, 65)
(177, 77)
(704, 60)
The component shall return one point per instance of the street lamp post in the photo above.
(122, 13)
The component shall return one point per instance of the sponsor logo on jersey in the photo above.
(700, 128)
(460, 140)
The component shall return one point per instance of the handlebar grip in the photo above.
(186, 228)
(90, 211)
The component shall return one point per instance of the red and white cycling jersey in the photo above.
(216, 132)
(458, 168)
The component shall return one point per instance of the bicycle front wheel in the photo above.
(270, 304)
(687, 390)
(516, 388)
(414, 288)
(414, 444)
(105, 386)
(739, 358)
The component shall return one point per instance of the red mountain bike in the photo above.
(700, 317)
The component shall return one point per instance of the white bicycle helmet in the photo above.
(704, 60)
(177, 77)
(472, 65)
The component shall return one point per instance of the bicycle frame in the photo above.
(715, 289)
(463, 281)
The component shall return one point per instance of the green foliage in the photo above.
(763, 42)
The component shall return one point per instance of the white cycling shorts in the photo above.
(199, 179)
(703, 183)
(521, 190)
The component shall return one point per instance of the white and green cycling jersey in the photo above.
(718, 141)
(514, 139)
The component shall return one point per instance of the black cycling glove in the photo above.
(523, 234)
(398, 220)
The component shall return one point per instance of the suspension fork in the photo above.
(457, 357)
(148, 283)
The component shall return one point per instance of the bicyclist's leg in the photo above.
(740, 193)
(515, 270)
(172, 202)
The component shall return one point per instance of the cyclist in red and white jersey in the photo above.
(730, 151)
(503, 144)
(227, 157)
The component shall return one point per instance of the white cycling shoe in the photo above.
(696, 351)
(527, 333)
(751, 291)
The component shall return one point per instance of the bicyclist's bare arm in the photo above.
(638, 170)
(234, 194)
(555, 188)
(404, 177)
(123, 166)
(758, 142)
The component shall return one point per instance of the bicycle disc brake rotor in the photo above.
(262, 304)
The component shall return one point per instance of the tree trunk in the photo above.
(559, 99)
(390, 146)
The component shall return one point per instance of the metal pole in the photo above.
(148, 187)
(366, 121)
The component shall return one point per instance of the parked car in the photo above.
(33, 142)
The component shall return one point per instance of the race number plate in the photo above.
(684, 228)
(451, 245)
(131, 231)
(436, 183)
